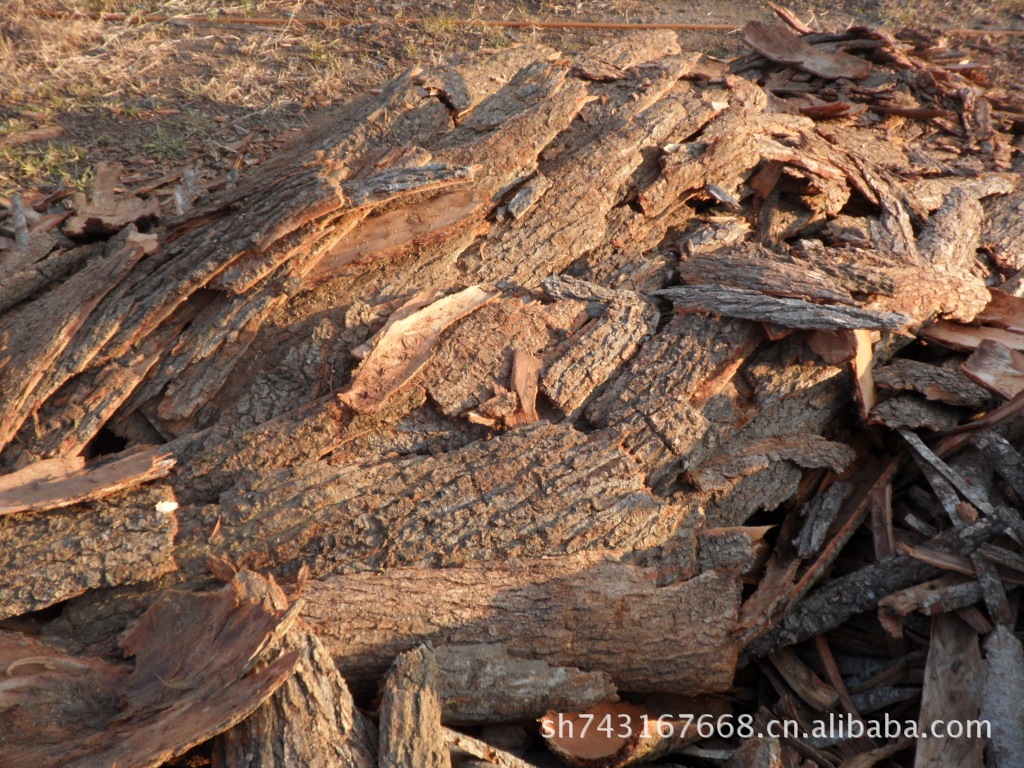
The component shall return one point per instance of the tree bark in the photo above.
(582, 611)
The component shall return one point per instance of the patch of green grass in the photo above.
(169, 140)
(441, 24)
(165, 144)
(52, 162)
(496, 38)
(13, 125)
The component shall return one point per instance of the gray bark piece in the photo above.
(789, 313)
(1004, 663)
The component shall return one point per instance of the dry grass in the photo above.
(98, 79)
(162, 95)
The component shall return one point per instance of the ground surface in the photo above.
(211, 94)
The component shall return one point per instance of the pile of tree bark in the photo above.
(634, 384)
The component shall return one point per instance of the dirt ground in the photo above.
(211, 93)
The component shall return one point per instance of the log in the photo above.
(567, 611)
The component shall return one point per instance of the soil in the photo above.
(215, 88)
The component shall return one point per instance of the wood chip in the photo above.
(103, 212)
(997, 367)
(779, 44)
(406, 347)
(58, 483)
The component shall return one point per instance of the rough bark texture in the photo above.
(311, 720)
(191, 680)
(538, 359)
(410, 714)
(486, 683)
(47, 557)
(569, 611)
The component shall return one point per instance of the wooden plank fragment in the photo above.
(410, 714)
(525, 383)
(29, 489)
(863, 371)
(791, 313)
(581, 610)
(954, 676)
(968, 338)
(191, 681)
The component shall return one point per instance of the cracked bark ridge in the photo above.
(410, 714)
(311, 720)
